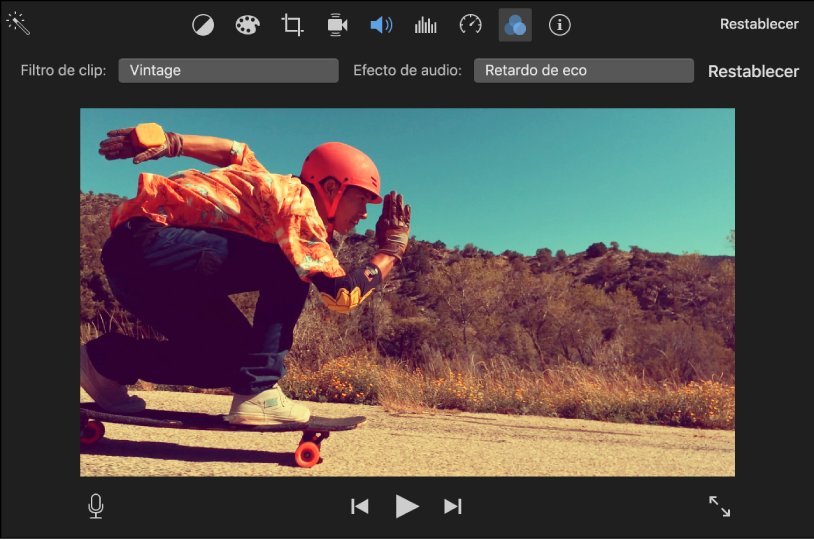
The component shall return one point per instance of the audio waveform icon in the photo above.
(428, 27)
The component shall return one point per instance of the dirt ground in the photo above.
(391, 444)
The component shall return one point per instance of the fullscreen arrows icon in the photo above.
(713, 500)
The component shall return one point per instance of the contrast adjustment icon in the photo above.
(16, 21)
(203, 24)
(247, 24)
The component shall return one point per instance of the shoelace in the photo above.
(283, 398)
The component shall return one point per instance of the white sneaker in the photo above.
(268, 407)
(108, 394)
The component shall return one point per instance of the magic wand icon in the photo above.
(23, 28)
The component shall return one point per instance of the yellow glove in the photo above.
(143, 142)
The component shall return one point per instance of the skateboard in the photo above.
(316, 430)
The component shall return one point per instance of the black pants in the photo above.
(178, 283)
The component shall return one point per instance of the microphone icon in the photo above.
(93, 510)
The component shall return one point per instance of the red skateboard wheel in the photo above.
(93, 431)
(307, 455)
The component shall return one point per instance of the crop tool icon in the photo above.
(298, 30)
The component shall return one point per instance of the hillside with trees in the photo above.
(668, 316)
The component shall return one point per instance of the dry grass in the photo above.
(609, 392)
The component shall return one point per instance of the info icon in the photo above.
(559, 24)
(514, 24)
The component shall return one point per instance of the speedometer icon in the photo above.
(470, 24)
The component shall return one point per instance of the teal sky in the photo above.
(520, 179)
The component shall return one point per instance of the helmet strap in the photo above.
(330, 207)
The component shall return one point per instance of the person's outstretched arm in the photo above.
(212, 150)
(124, 144)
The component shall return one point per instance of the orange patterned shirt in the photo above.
(243, 197)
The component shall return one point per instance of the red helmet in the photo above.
(346, 165)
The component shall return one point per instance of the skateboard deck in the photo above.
(316, 430)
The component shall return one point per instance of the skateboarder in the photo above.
(187, 241)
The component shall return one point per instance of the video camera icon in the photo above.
(377, 25)
(336, 25)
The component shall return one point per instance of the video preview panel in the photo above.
(561, 303)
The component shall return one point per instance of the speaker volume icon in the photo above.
(97, 508)
(377, 25)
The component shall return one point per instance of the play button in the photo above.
(404, 506)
